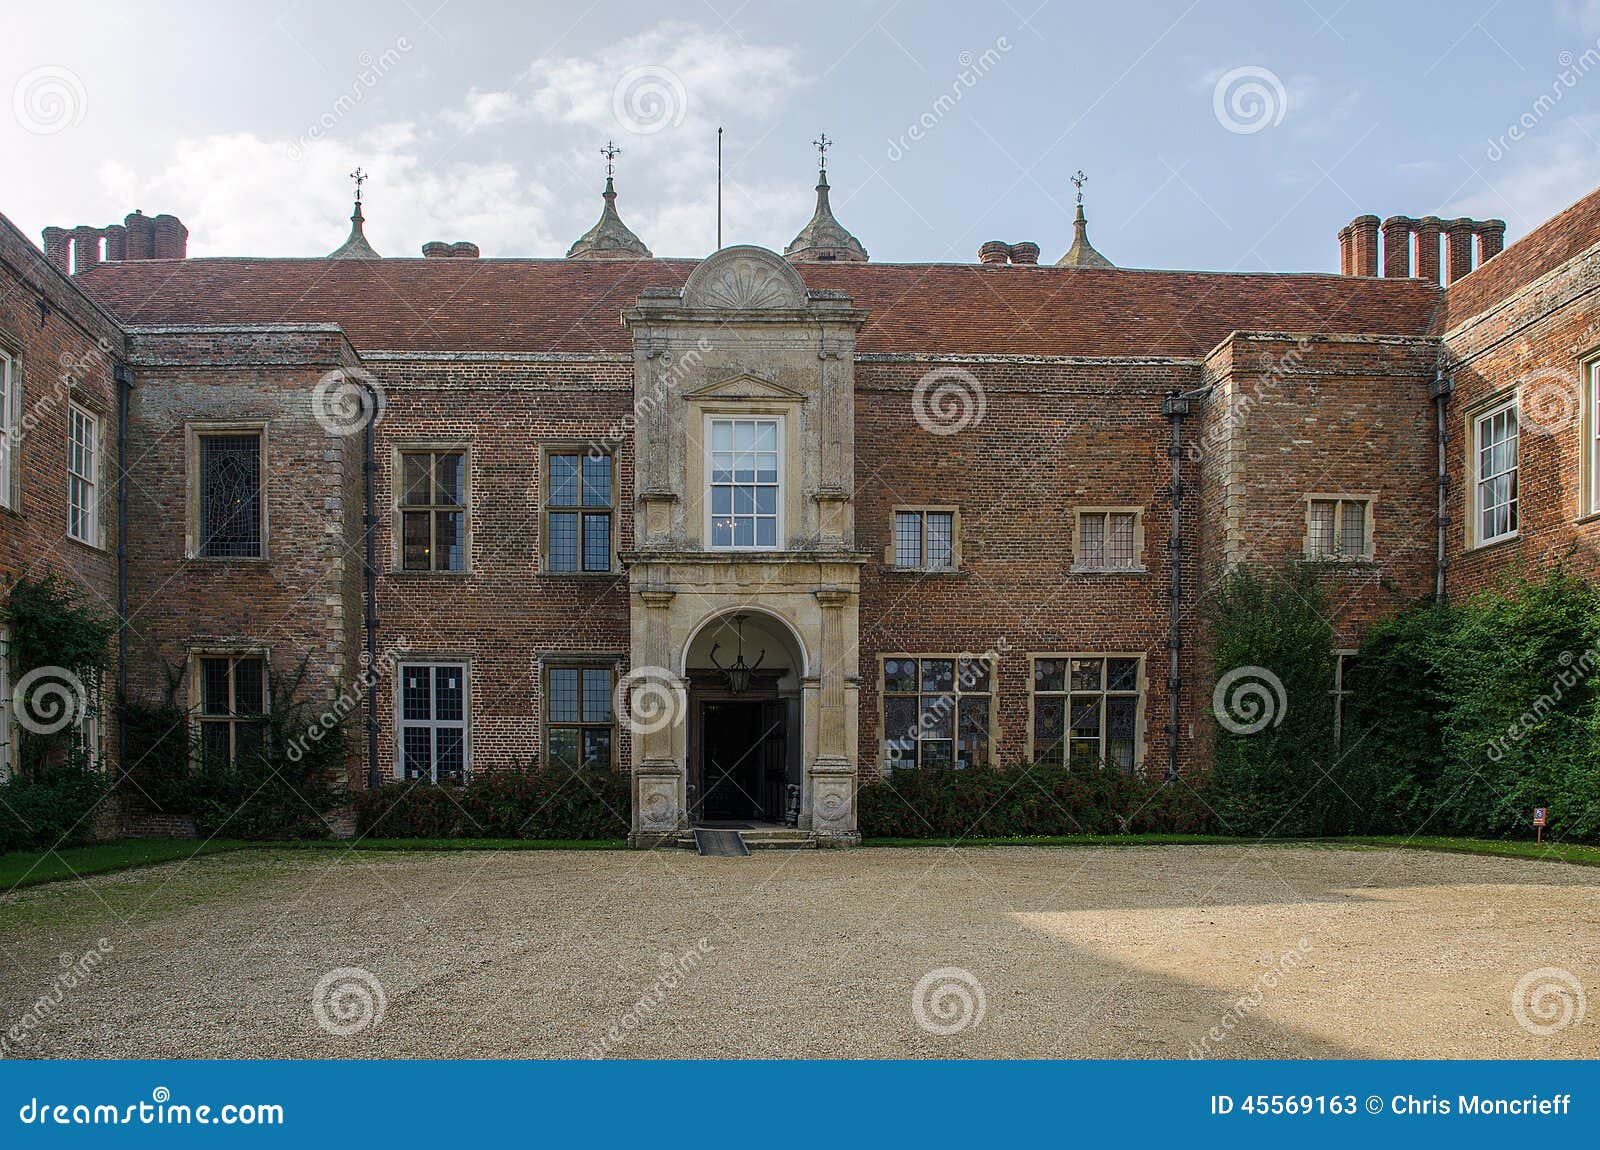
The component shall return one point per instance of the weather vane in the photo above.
(360, 178)
(822, 144)
(1078, 179)
(610, 152)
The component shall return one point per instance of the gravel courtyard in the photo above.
(1123, 952)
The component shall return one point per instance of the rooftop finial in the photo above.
(610, 152)
(822, 144)
(360, 178)
(1081, 254)
(356, 247)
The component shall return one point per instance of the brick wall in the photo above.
(1534, 341)
(300, 601)
(1054, 435)
(505, 613)
(63, 353)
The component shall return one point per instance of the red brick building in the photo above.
(759, 527)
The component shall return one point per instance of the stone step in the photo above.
(763, 838)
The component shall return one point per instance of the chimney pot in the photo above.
(171, 238)
(1397, 246)
(85, 248)
(58, 248)
(1428, 229)
(1347, 259)
(1457, 249)
(994, 252)
(1491, 239)
(1364, 233)
(1027, 252)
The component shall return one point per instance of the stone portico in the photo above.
(744, 348)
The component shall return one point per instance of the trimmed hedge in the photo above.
(50, 810)
(549, 803)
(1040, 799)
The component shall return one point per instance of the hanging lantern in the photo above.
(737, 675)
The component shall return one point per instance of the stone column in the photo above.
(656, 706)
(832, 772)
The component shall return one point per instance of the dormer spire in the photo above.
(610, 238)
(356, 246)
(1082, 254)
(824, 239)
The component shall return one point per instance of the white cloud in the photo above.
(1558, 164)
(517, 171)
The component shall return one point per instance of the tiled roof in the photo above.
(1547, 247)
(528, 305)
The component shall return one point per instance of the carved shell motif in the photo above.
(746, 285)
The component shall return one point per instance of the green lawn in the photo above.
(28, 868)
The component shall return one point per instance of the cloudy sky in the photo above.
(1215, 135)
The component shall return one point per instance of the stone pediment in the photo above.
(744, 278)
(744, 386)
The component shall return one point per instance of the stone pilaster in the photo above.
(833, 772)
(655, 715)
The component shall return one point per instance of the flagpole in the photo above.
(719, 189)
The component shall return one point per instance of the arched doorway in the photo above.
(744, 669)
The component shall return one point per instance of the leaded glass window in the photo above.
(230, 495)
(1108, 539)
(433, 510)
(433, 722)
(233, 707)
(744, 483)
(936, 711)
(924, 539)
(1086, 710)
(580, 725)
(1338, 529)
(578, 505)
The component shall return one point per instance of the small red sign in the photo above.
(1539, 816)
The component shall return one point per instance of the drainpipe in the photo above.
(1174, 407)
(122, 376)
(1439, 391)
(369, 520)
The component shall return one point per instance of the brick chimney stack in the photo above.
(85, 247)
(137, 237)
(1364, 241)
(1491, 239)
(1397, 246)
(58, 248)
(1358, 246)
(1457, 249)
(1428, 228)
(994, 252)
